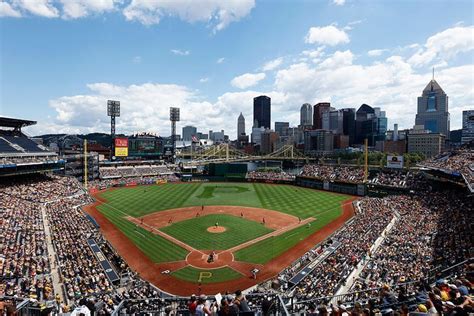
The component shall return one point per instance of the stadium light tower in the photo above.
(174, 117)
(113, 110)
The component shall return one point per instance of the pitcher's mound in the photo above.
(216, 230)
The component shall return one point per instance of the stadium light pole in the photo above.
(113, 110)
(174, 117)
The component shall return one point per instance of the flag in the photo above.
(194, 139)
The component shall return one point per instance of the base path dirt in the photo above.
(152, 272)
(273, 219)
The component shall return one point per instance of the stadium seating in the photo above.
(5, 147)
(398, 254)
(25, 143)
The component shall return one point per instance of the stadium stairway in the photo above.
(57, 286)
(347, 287)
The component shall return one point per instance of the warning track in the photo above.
(151, 271)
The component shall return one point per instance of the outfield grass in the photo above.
(297, 201)
(192, 274)
(194, 231)
(267, 249)
(157, 248)
(142, 200)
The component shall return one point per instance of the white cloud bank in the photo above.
(217, 14)
(247, 80)
(392, 83)
(272, 64)
(326, 35)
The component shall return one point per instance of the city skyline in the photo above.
(166, 57)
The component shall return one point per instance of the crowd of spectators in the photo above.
(27, 160)
(355, 240)
(24, 264)
(334, 173)
(393, 178)
(461, 161)
(270, 175)
(107, 183)
(431, 232)
(133, 171)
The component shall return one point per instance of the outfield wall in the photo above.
(339, 187)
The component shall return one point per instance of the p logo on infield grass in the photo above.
(204, 275)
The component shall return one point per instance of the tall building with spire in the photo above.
(433, 112)
(306, 115)
(240, 125)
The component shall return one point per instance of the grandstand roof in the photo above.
(16, 123)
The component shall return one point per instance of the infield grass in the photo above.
(143, 200)
(194, 231)
(267, 249)
(192, 274)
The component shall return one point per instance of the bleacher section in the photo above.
(5, 147)
(19, 154)
(25, 143)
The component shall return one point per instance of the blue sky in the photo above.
(60, 62)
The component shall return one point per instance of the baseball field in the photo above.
(207, 237)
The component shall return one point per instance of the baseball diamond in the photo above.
(210, 236)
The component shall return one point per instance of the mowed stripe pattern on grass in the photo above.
(267, 249)
(142, 200)
(194, 231)
(157, 248)
(297, 201)
(195, 275)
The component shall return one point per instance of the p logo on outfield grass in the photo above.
(204, 275)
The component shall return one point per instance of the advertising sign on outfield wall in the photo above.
(395, 162)
(121, 142)
(121, 151)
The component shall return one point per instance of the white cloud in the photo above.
(376, 52)
(203, 80)
(445, 45)
(272, 64)
(137, 59)
(391, 84)
(338, 59)
(180, 52)
(7, 10)
(44, 8)
(220, 60)
(339, 2)
(145, 107)
(247, 80)
(219, 14)
(326, 35)
(73, 9)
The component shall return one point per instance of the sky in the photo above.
(61, 60)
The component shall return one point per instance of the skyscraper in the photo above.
(432, 111)
(282, 128)
(467, 126)
(319, 109)
(306, 115)
(240, 125)
(262, 111)
(371, 123)
(189, 132)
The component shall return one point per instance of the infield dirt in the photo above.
(151, 271)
